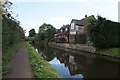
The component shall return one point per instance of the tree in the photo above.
(104, 33)
(81, 38)
(46, 31)
(32, 33)
(12, 32)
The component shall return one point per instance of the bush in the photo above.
(11, 32)
(81, 38)
(104, 33)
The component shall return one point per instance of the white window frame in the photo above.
(72, 25)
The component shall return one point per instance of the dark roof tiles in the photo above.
(82, 21)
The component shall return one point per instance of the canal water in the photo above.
(77, 64)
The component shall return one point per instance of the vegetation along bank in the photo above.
(40, 67)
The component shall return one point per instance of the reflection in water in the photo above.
(63, 70)
(79, 64)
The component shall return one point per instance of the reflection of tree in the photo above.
(62, 57)
(47, 53)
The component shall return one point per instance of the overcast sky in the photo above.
(33, 13)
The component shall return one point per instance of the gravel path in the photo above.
(20, 66)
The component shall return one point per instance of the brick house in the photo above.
(78, 27)
(62, 34)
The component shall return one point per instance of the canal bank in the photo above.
(81, 47)
(40, 67)
(86, 48)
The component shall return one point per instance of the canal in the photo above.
(77, 64)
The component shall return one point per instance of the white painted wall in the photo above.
(73, 32)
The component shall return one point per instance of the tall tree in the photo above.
(32, 33)
(12, 32)
(104, 33)
(46, 31)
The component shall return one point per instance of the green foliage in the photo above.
(32, 33)
(11, 29)
(81, 38)
(40, 67)
(110, 51)
(104, 33)
(43, 36)
(12, 34)
(46, 31)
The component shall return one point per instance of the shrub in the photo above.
(81, 38)
(104, 33)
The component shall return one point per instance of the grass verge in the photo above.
(40, 67)
(110, 51)
(7, 56)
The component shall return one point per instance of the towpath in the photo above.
(20, 66)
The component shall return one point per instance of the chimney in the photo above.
(85, 16)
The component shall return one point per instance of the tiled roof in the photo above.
(65, 26)
(79, 22)
(82, 21)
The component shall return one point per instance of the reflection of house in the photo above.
(73, 67)
(78, 27)
(69, 61)
(62, 34)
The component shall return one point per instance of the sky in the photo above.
(33, 13)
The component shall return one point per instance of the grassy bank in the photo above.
(110, 51)
(40, 67)
(7, 56)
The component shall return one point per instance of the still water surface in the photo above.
(77, 64)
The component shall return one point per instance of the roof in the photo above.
(65, 26)
(82, 21)
(79, 22)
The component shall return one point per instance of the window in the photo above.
(72, 25)
(61, 30)
(77, 27)
(66, 29)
